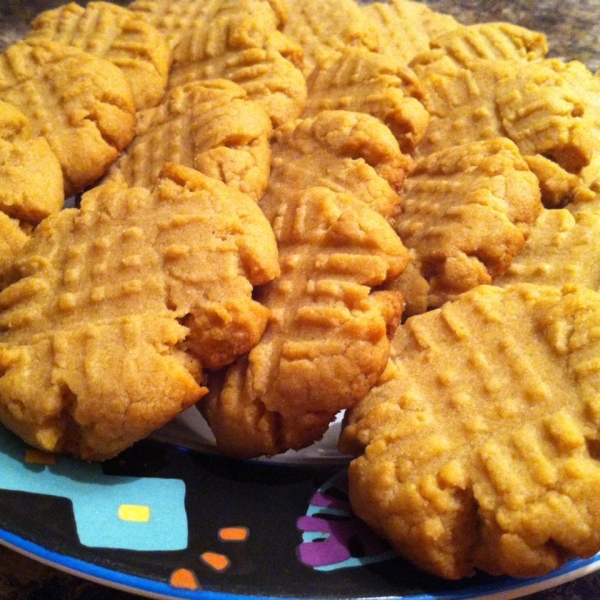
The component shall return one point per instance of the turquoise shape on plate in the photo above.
(131, 513)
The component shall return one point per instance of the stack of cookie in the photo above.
(208, 98)
(290, 209)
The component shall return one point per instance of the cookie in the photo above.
(75, 101)
(461, 102)
(558, 186)
(562, 248)
(466, 45)
(14, 125)
(269, 78)
(342, 151)
(327, 338)
(356, 79)
(406, 28)
(432, 22)
(172, 19)
(31, 185)
(12, 240)
(210, 126)
(326, 27)
(235, 25)
(31, 181)
(547, 107)
(404, 38)
(117, 35)
(466, 214)
(239, 40)
(551, 108)
(175, 20)
(121, 305)
(586, 191)
(476, 450)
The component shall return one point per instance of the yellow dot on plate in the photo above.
(134, 512)
(38, 457)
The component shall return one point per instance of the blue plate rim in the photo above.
(506, 589)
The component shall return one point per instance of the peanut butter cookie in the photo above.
(119, 306)
(477, 449)
(116, 34)
(327, 338)
(210, 126)
(81, 104)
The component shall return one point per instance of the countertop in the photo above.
(573, 30)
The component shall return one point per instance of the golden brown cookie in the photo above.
(406, 28)
(31, 181)
(547, 107)
(558, 187)
(478, 446)
(466, 215)
(31, 185)
(172, 19)
(325, 27)
(81, 104)
(461, 102)
(563, 247)
(224, 320)
(210, 126)
(466, 45)
(402, 38)
(327, 338)
(239, 40)
(537, 104)
(120, 305)
(552, 108)
(235, 25)
(357, 79)
(116, 34)
(14, 125)
(269, 78)
(587, 189)
(12, 241)
(176, 20)
(434, 23)
(342, 151)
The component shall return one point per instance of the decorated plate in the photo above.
(171, 518)
(167, 521)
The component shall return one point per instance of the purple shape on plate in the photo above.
(324, 501)
(333, 536)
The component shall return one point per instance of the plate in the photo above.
(166, 521)
(171, 518)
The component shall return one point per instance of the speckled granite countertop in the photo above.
(573, 31)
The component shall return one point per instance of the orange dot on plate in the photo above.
(234, 534)
(219, 562)
(184, 579)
